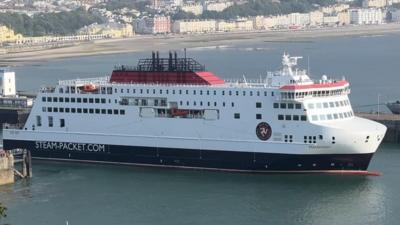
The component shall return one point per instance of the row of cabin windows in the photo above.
(73, 100)
(320, 105)
(237, 116)
(50, 121)
(287, 105)
(195, 92)
(293, 117)
(215, 104)
(333, 116)
(84, 110)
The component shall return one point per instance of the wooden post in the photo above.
(29, 163)
(24, 159)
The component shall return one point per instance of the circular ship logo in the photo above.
(263, 131)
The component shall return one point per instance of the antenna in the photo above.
(244, 79)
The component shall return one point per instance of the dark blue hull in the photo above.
(195, 158)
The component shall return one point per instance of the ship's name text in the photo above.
(49, 145)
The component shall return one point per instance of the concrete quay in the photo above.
(391, 121)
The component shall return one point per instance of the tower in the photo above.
(7, 82)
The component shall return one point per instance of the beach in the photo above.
(145, 43)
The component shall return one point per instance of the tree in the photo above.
(3, 210)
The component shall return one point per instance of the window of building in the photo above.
(326, 105)
(66, 99)
(50, 118)
(38, 121)
(283, 105)
(91, 111)
(61, 110)
(49, 109)
(49, 99)
(296, 117)
(73, 110)
(215, 103)
(55, 99)
(116, 111)
(109, 111)
(85, 110)
(103, 111)
(187, 92)
(280, 117)
(67, 110)
(233, 104)
(79, 110)
(298, 106)
(85, 100)
(314, 117)
(62, 122)
(122, 112)
(78, 100)
(97, 111)
(310, 105)
(303, 118)
(290, 105)
(258, 116)
(91, 100)
(43, 99)
(319, 105)
(73, 100)
(236, 116)
(276, 105)
(258, 104)
(288, 117)
(55, 109)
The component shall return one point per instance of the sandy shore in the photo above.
(170, 42)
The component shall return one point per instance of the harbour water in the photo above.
(104, 194)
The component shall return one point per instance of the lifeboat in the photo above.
(89, 88)
(179, 112)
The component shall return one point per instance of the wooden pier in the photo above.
(15, 164)
(391, 121)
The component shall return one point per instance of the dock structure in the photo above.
(6, 168)
(391, 121)
(15, 164)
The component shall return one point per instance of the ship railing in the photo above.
(78, 82)
(16, 126)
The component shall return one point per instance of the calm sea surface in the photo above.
(101, 194)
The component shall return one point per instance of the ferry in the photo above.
(172, 112)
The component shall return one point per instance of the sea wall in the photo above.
(6, 168)
(391, 121)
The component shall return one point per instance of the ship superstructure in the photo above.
(172, 112)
